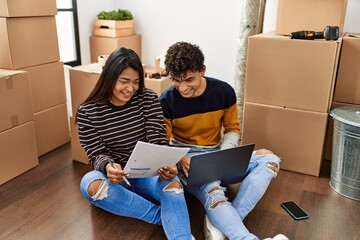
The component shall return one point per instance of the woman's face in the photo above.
(126, 85)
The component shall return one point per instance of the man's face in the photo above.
(190, 85)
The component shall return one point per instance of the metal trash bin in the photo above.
(345, 162)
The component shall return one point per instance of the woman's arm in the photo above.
(154, 120)
(90, 140)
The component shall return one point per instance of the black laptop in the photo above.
(228, 165)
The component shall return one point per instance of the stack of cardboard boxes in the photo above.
(108, 35)
(290, 83)
(17, 134)
(34, 118)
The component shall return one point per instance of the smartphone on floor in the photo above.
(294, 210)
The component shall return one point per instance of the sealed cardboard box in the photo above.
(113, 28)
(51, 128)
(82, 82)
(347, 88)
(291, 73)
(105, 45)
(47, 85)
(15, 99)
(28, 41)
(296, 136)
(329, 132)
(17, 151)
(77, 151)
(310, 15)
(21, 8)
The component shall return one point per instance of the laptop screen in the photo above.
(228, 166)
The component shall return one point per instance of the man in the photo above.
(201, 113)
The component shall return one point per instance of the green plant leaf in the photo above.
(120, 14)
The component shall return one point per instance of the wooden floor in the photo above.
(45, 203)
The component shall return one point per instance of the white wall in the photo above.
(87, 12)
(212, 24)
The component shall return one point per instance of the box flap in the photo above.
(8, 73)
(90, 68)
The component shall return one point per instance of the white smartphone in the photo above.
(294, 210)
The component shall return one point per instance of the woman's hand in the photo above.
(115, 174)
(167, 172)
(185, 165)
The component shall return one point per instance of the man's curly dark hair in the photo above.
(182, 57)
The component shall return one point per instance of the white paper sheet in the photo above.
(147, 158)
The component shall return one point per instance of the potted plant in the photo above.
(116, 23)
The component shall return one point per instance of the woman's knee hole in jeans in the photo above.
(216, 200)
(272, 166)
(97, 189)
(174, 186)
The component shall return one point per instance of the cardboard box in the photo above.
(112, 28)
(47, 85)
(158, 85)
(21, 8)
(82, 82)
(296, 136)
(291, 73)
(114, 33)
(77, 151)
(28, 41)
(51, 128)
(329, 132)
(105, 46)
(113, 24)
(310, 15)
(15, 99)
(17, 151)
(347, 88)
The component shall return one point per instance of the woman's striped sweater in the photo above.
(110, 133)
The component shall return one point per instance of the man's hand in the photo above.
(167, 172)
(185, 165)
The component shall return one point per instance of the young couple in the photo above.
(120, 111)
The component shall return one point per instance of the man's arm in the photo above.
(231, 135)
(230, 140)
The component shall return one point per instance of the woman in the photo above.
(119, 112)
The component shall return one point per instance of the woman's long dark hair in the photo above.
(117, 62)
